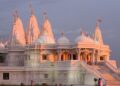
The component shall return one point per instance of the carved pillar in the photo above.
(85, 57)
(88, 58)
(41, 59)
(93, 56)
(79, 54)
(59, 55)
(71, 56)
(98, 55)
(36, 56)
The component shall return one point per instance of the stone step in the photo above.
(107, 74)
(108, 77)
(113, 82)
(112, 85)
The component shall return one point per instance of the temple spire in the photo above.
(98, 34)
(47, 29)
(18, 34)
(33, 31)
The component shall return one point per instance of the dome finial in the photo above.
(98, 22)
(14, 17)
(98, 34)
(16, 13)
(81, 31)
(45, 14)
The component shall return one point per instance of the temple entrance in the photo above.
(48, 56)
(75, 57)
(102, 58)
(65, 56)
(86, 57)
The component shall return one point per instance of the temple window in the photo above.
(74, 57)
(61, 57)
(45, 75)
(2, 58)
(44, 57)
(70, 57)
(5, 76)
(101, 58)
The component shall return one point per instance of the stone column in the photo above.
(71, 56)
(85, 57)
(59, 55)
(41, 60)
(93, 57)
(79, 54)
(98, 56)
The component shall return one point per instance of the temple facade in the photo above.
(35, 57)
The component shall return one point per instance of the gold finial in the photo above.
(81, 31)
(45, 14)
(98, 22)
(62, 34)
(31, 9)
(16, 13)
(14, 17)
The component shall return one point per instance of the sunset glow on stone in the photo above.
(35, 54)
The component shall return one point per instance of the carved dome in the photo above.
(83, 39)
(63, 40)
(44, 39)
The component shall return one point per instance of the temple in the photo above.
(36, 56)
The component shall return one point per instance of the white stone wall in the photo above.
(89, 79)
(15, 59)
(38, 77)
(15, 78)
(61, 72)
